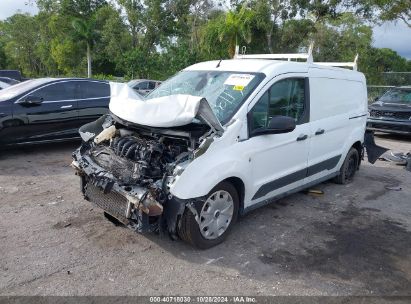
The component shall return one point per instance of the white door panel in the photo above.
(278, 162)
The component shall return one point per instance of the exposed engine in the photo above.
(137, 160)
(132, 166)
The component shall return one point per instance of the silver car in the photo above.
(143, 86)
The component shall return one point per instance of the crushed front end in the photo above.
(126, 170)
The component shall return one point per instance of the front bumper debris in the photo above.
(132, 205)
(128, 204)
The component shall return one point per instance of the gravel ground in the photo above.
(353, 240)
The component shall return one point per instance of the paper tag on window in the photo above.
(238, 88)
(241, 80)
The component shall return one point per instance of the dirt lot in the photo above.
(353, 240)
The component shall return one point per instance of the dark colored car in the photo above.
(143, 86)
(50, 109)
(14, 74)
(9, 80)
(391, 113)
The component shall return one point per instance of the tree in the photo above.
(156, 38)
(383, 10)
(236, 26)
(86, 32)
(20, 35)
(114, 40)
(340, 39)
(83, 9)
(376, 61)
(210, 34)
(133, 10)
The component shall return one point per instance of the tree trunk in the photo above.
(88, 61)
(269, 42)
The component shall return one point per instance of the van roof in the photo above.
(271, 67)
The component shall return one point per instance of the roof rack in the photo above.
(353, 64)
(308, 56)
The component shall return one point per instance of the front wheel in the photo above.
(348, 168)
(216, 216)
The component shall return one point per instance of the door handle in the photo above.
(302, 137)
(319, 132)
(66, 107)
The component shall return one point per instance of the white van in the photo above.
(221, 138)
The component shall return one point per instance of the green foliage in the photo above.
(236, 28)
(105, 77)
(20, 39)
(157, 38)
(377, 61)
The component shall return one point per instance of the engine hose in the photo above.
(125, 147)
(130, 150)
(120, 145)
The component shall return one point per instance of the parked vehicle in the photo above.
(9, 80)
(391, 113)
(220, 139)
(3, 85)
(49, 109)
(14, 74)
(143, 86)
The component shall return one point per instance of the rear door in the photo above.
(94, 100)
(56, 117)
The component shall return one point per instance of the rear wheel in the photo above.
(348, 168)
(216, 215)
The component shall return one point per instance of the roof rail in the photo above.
(308, 56)
(353, 64)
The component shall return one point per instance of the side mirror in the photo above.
(376, 98)
(277, 124)
(31, 100)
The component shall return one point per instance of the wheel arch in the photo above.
(240, 187)
(359, 147)
(12, 122)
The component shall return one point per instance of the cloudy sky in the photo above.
(396, 36)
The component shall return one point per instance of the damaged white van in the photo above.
(221, 138)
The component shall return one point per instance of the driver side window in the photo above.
(285, 97)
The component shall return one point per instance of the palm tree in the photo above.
(235, 26)
(85, 30)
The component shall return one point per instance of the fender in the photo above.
(222, 160)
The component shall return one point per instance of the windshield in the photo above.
(398, 95)
(224, 91)
(20, 88)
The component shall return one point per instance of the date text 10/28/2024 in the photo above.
(202, 299)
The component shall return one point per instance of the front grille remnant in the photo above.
(113, 203)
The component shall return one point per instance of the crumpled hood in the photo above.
(162, 112)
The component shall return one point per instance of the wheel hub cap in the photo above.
(216, 214)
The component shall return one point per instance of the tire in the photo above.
(348, 168)
(188, 228)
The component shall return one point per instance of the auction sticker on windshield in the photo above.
(239, 80)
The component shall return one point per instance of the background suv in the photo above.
(391, 113)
